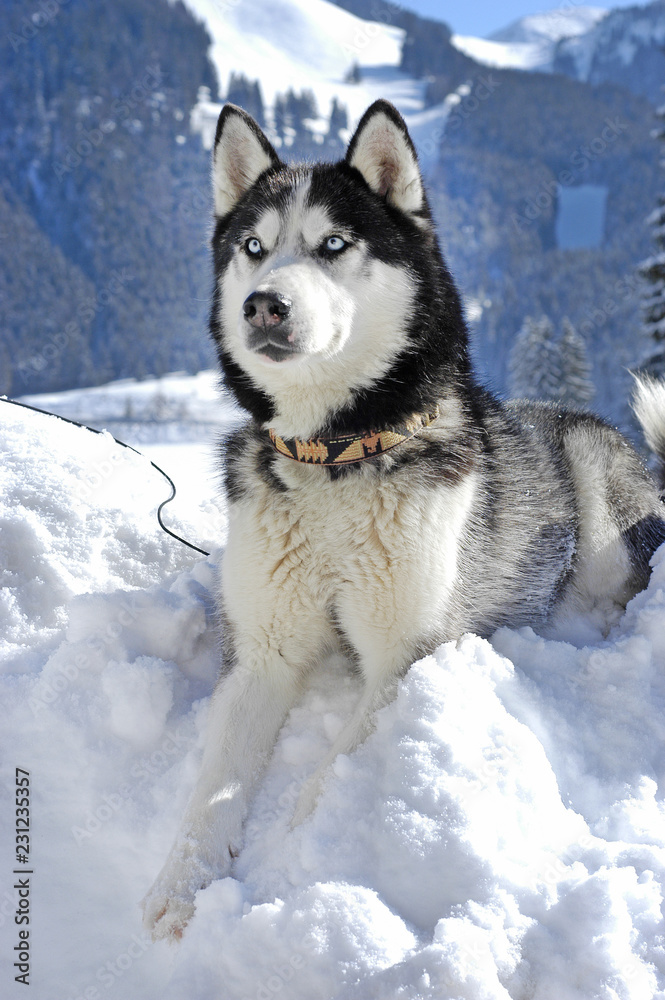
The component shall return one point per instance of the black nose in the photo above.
(266, 309)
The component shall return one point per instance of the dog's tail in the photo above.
(649, 407)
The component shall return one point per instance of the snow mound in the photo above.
(500, 835)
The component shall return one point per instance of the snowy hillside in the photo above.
(626, 47)
(622, 46)
(551, 25)
(321, 45)
(529, 43)
(308, 43)
(501, 836)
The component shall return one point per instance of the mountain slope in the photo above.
(94, 146)
(530, 42)
(624, 48)
(551, 25)
(301, 43)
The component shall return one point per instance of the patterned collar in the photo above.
(350, 448)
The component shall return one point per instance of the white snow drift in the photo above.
(500, 835)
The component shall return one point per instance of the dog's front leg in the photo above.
(246, 712)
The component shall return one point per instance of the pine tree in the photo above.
(354, 75)
(339, 119)
(577, 388)
(307, 105)
(292, 113)
(279, 116)
(256, 98)
(534, 365)
(247, 96)
(652, 271)
(292, 105)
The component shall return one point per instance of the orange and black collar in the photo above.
(350, 448)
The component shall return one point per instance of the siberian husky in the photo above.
(382, 502)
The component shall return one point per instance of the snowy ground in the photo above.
(501, 835)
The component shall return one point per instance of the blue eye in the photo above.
(253, 247)
(335, 243)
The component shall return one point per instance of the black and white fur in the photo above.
(334, 312)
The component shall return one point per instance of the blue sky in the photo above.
(481, 17)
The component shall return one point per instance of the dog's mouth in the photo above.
(267, 346)
(275, 353)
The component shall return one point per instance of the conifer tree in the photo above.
(535, 362)
(577, 388)
(246, 95)
(279, 115)
(652, 271)
(339, 119)
(353, 75)
(307, 105)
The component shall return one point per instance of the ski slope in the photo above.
(312, 44)
(308, 44)
(501, 834)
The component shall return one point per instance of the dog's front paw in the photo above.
(166, 917)
(169, 905)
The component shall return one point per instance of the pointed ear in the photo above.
(241, 154)
(383, 152)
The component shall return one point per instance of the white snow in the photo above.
(500, 835)
(564, 21)
(308, 44)
(504, 55)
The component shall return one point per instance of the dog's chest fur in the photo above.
(371, 556)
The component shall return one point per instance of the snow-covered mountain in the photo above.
(623, 46)
(530, 42)
(551, 25)
(454, 109)
(626, 47)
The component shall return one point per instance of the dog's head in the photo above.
(323, 272)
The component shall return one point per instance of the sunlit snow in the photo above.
(500, 835)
